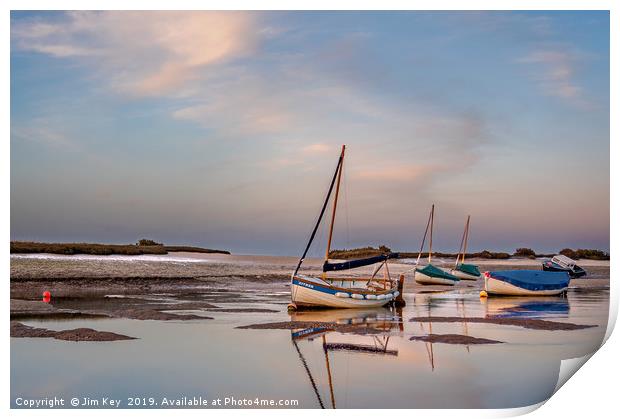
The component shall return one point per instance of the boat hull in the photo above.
(424, 279)
(496, 286)
(576, 273)
(464, 275)
(307, 294)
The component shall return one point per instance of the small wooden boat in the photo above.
(461, 269)
(430, 274)
(525, 282)
(561, 263)
(312, 291)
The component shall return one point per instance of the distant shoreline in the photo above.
(105, 249)
(23, 247)
(522, 253)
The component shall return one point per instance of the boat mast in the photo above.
(428, 223)
(331, 224)
(430, 245)
(318, 222)
(466, 234)
(463, 241)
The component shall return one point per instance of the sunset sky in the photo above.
(222, 129)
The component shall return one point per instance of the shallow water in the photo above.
(213, 359)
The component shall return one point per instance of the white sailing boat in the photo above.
(322, 291)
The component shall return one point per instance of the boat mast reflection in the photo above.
(374, 324)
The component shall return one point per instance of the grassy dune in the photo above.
(104, 249)
(194, 249)
(369, 251)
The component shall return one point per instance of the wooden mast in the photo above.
(428, 223)
(461, 256)
(331, 224)
(323, 208)
(466, 237)
(430, 245)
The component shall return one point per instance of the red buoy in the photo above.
(47, 296)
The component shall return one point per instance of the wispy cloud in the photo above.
(43, 131)
(405, 173)
(554, 71)
(143, 53)
(317, 148)
(306, 99)
(256, 106)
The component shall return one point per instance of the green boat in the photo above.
(430, 274)
(461, 269)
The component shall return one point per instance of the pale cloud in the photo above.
(317, 148)
(408, 172)
(232, 115)
(43, 131)
(554, 71)
(142, 53)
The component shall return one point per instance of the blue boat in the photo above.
(525, 282)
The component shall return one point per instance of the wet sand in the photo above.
(185, 286)
(77, 335)
(535, 324)
(362, 329)
(454, 339)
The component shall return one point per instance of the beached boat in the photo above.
(356, 292)
(525, 282)
(430, 274)
(561, 263)
(461, 269)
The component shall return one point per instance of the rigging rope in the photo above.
(424, 238)
(460, 249)
(316, 226)
(303, 361)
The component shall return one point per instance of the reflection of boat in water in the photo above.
(524, 307)
(380, 320)
(342, 292)
(525, 282)
(461, 269)
(427, 300)
(430, 274)
(427, 345)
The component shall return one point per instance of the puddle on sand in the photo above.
(383, 369)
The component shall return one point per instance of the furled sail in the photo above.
(351, 264)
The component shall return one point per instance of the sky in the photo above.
(223, 129)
